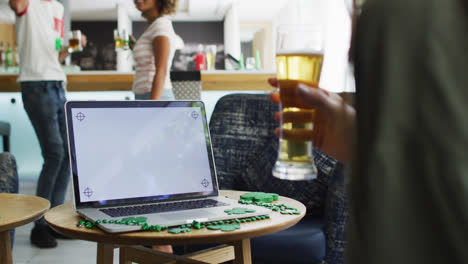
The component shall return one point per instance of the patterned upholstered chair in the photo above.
(8, 179)
(245, 149)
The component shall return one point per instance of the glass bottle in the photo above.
(2, 55)
(16, 57)
(8, 56)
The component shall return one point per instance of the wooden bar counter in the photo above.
(86, 81)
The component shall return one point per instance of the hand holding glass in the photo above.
(121, 39)
(299, 58)
(74, 41)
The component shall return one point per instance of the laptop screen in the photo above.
(137, 151)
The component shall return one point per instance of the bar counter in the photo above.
(86, 81)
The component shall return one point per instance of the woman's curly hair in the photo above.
(166, 7)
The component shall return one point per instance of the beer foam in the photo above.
(299, 52)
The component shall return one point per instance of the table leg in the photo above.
(242, 251)
(5, 248)
(105, 254)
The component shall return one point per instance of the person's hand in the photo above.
(84, 40)
(132, 42)
(337, 119)
(18, 6)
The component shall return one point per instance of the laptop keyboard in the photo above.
(161, 208)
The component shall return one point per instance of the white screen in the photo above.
(138, 152)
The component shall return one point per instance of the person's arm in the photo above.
(161, 50)
(18, 6)
(131, 42)
(340, 119)
(63, 54)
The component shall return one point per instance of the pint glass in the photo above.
(210, 57)
(74, 41)
(299, 58)
(121, 39)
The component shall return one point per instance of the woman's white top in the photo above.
(145, 67)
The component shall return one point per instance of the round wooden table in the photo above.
(64, 219)
(17, 210)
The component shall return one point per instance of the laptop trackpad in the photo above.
(188, 215)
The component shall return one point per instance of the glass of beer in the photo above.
(210, 57)
(74, 41)
(121, 39)
(299, 57)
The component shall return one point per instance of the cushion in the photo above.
(302, 243)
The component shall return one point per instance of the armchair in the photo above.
(8, 179)
(245, 149)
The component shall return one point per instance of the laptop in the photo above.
(148, 159)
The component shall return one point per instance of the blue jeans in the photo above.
(44, 103)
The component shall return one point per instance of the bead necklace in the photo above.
(254, 198)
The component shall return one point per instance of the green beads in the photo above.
(225, 226)
(239, 210)
(260, 197)
(177, 230)
(265, 199)
(196, 225)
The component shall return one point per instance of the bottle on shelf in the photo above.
(2, 55)
(241, 65)
(8, 56)
(16, 57)
(258, 64)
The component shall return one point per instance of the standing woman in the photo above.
(153, 54)
(154, 51)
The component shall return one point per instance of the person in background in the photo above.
(39, 31)
(409, 176)
(153, 54)
(154, 51)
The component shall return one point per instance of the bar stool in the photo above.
(5, 132)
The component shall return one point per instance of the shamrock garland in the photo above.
(255, 198)
(260, 197)
(239, 210)
(225, 227)
(180, 229)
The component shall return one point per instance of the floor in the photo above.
(67, 251)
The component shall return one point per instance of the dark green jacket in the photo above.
(409, 188)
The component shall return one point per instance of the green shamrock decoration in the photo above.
(141, 220)
(224, 227)
(197, 225)
(177, 230)
(239, 210)
(290, 212)
(134, 221)
(260, 197)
